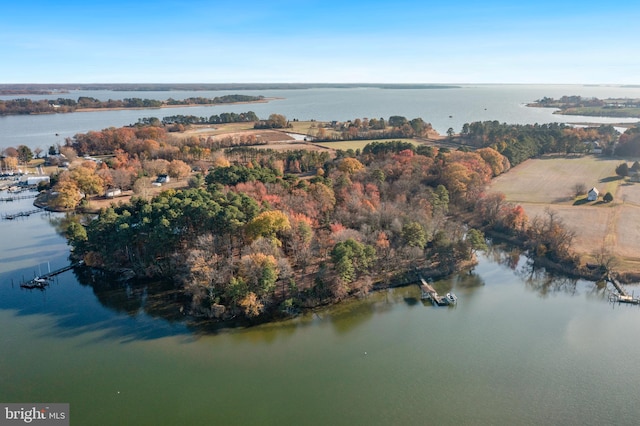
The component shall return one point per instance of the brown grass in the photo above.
(539, 184)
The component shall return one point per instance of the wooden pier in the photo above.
(25, 213)
(430, 293)
(42, 281)
(17, 197)
(622, 296)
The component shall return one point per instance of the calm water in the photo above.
(443, 108)
(518, 349)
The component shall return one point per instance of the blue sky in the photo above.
(401, 41)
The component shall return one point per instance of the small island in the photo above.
(592, 107)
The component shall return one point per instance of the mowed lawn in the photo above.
(549, 183)
(552, 180)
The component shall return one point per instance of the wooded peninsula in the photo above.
(577, 105)
(86, 103)
(254, 231)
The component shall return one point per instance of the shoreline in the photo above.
(261, 101)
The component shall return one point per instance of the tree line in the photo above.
(63, 105)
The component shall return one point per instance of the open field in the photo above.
(359, 144)
(538, 184)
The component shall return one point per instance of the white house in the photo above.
(593, 193)
(113, 192)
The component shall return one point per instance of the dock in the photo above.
(25, 213)
(17, 197)
(622, 296)
(42, 281)
(429, 293)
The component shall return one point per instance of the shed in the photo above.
(593, 193)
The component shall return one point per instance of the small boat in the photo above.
(451, 298)
(34, 284)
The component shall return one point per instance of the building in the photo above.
(113, 192)
(593, 193)
(162, 179)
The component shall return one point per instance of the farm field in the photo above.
(548, 183)
(358, 144)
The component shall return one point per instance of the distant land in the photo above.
(48, 89)
(593, 107)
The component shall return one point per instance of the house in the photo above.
(113, 192)
(593, 193)
(162, 179)
(34, 180)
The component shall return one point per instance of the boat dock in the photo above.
(25, 213)
(42, 281)
(18, 197)
(622, 296)
(429, 293)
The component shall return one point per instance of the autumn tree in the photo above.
(179, 169)
(87, 180)
(267, 224)
(67, 193)
(350, 165)
(10, 163)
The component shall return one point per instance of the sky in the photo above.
(328, 41)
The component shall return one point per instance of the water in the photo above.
(518, 349)
(443, 108)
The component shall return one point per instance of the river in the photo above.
(443, 108)
(520, 347)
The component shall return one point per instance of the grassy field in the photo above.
(539, 184)
(602, 112)
(344, 145)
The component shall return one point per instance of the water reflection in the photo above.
(144, 310)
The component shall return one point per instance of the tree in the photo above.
(450, 132)
(350, 258)
(251, 305)
(397, 121)
(24, 154)
(608, 197)
(579, 188)
(414, 235)
(179, 169)
(476, 240)
(267, 224)
(10, 163)
(350, 165)
(68, 195)
(87, 180)
(622, 170)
